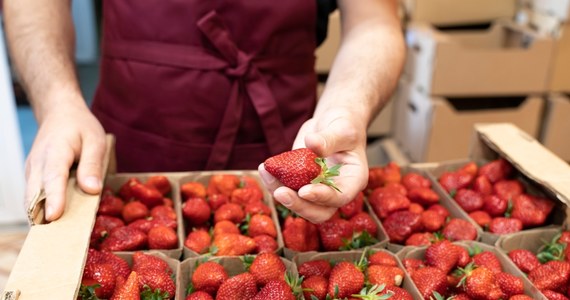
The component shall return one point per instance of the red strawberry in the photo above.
(463, 254)
(103, 226)
(225, 226)
(545, 205)
(160, 183)
(229, 211)
(231, 244)
(396, 188)
(524, 259)
(196, 211)
(143, 261)
(247, 195)
(509, 284)
(199, 295)
(412, 264)
(458, 229)
(134, 210)
(167, 202)
(101, 274)
(353, 207)
(262, 224)
(249, 182)
(120, 266)
(346, 278)
(157, 280)
(505, 225)
(564, 237)
(387, 275)
(495, 205)
(432, 220)
(125, 239)
(239, 287)
(379, 176)
(223, 184)
(482, 218)
(257, 208)
(217, 200)
(300, 167)
(362, 221)
(416, 208)
(385, 203)
(440, 209)
(265, 243)
(208, 277)
(480, 284)
(399, 293)
(382, 258)
(420, 239)
(149, 196)
(414, 180)
(198, 241)
(300, 235)
(496, 170)
(488, 260)
(469, 200)
(429, 280)
(442, 255)
(319, 267)
(553, 275)
(163, 211)
(401, 224)
(110, 206)
(423, 196)
(129, 290)
(315, 287)
(193, 189)
(335, 233)
(552, 295)
(453, 181)
(267, 267)
(125, 191)
(469, 168)
(483, 186)
(520, 297)
(162, 237)
(277, 290)
(508, 189)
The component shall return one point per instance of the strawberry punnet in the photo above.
(300, 167)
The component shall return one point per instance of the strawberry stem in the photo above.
(327, 173)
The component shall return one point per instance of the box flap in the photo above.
(50, 264)
(526, 154)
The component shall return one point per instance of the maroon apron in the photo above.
(194, 85)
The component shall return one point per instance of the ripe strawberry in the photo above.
(157, 280)
(231, 244)
(380, 176)
(162, 237)
(335, 233)
(142, 261)
(414, 180)
(208, 277)
(524, 259)
(163, 211)
(239, 287)
(134, 210)
(129, 290)
(315, 287)
(346, 279)
(480, 284)
(399, 293)
(244, 196)
(412, 264)
(199, 295)
(149, 196)
(217, 200)
(319, 267)
(420, 239)
(442, 255)
(160, 183)
(469, 168)
(431, 220)
(125, 239)
(193, 189)
(530, 210)
(101, 274)
(552, 295)
(300, 235)
(223, 184)
(196, 211)
(564, 237)
(125, 191)
(416, 208)
(545, 205)
(353, 207)
(423, 196)
(453, 181)
(384, 204)
(488, 260)
(396, 188)
(261, 224)
(119, 265)
(482, 218)
(505, 225)
(469, 200)
(552, 275)
(265, 243)
(275, 290)
(257, 208)
(458, 230)
(103, 226)
(229, 211)
(520, 297)
(225, 226)
(110, 206)
(387, 275)
(167, 202)
(246, 181)
(382, 258)
(495, 205)
(401, 224)
(464, 257)
(266, 267)
(362, 221)
(440, 209)
(483, 186)
(300, 167)
(429, 280)
(496, 170)
(508, 189)
(509, 284)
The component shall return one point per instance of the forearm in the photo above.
(41, 38)
(369, 61)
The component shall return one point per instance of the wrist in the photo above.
(58, 101)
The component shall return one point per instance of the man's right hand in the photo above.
(65, 135)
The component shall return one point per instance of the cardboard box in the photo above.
(505, 59)
(559, 80)
(439, 129)
(450, 12)
(556, 127)
(556, 8)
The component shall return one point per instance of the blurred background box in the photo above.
(556, 8)
(453, 12)
(504, 59)
(556, 127)
(560, 73)
(326, 52)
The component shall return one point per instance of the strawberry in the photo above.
(266, 267)
(134, 210)
(496, 170)
(119, 265)
(208, 277)
(300, 167)
(335, 233)
(315, 287)
(229, 211)
(420, 239)
(261, 224)
(505, 225)
(469, 200)
(414, 180)
(482, 218)
(231, 244)
(412, 264)
(520, 297)
(125, 191)
(199, 295)
(524, 259)
(223, 184)
(401, 224)
(564, 237)
(396, 188)
(167, 202)
(385, 203)
(225, 226)
(160, 183)
(246, 181)
(440, 209)
(399, 293)
(483, 186)
(442, 255)
(423, 196)
(103, 226)
(416, 208)
(300, 235)
(110, 206)
(429, 280)
(479, 283)
(143, 261)
(362, 221)
(387, 275)
(239, 287)
(380, 176)
(129, 290)
(265, 243)
(488, 260)
(244, 196)
(346, 279)
(464, 257)
(275, 290)
(257, 207)
(193, 189)
(458, 229)
(469, 168)
(552, 295)
(101, 274)
(319, 267)
(196, 211)
(353, 207)
(552, 275)
(162, 237)
(528, 210)
(157, 280)
(431, 220)
(382, 258)
(453, 181)
(163, 211)
(125, 239)
(149, 196)
(508, 189)
(509, 284)
(217, 200)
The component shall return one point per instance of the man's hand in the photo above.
(65, 135)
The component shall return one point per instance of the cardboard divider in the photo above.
(450, 12)
(352, 256)
(556, 126)
(204, 178)
(232, 264)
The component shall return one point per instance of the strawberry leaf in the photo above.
(326, 174)
(87, 292)
(157, 294)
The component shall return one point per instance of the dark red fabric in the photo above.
(194, 85)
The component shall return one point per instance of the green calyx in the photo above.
(149, 294)
(373, 293)
(87, 292)
(295, 283)
(326, 174)
(552, 250)
(359, 240)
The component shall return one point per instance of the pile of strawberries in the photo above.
(140, 216)
(265, 278)
(107, 276)
(227, 217)
(495, 200)
(448, 269)
(549, 269)
(379, 275)
(351, 227)
(409, 208)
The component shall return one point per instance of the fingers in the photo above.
(89, 171)
(310, 211)
(55, 173)
(33, 181)
(339, 135)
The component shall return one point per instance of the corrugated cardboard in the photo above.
(50, 264)
(506, 59)
(556, 127)
(435, 130)
(559, 80)
(557, 8)
(451, 12)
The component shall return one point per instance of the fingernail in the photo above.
(286, 199)
(267, 178)
(48, 212)
(93, 182)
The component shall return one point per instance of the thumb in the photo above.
(339, 135)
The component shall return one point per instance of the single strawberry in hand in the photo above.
(300, 167)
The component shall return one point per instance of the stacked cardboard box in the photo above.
(467, 63)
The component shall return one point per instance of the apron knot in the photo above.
(241, 67)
